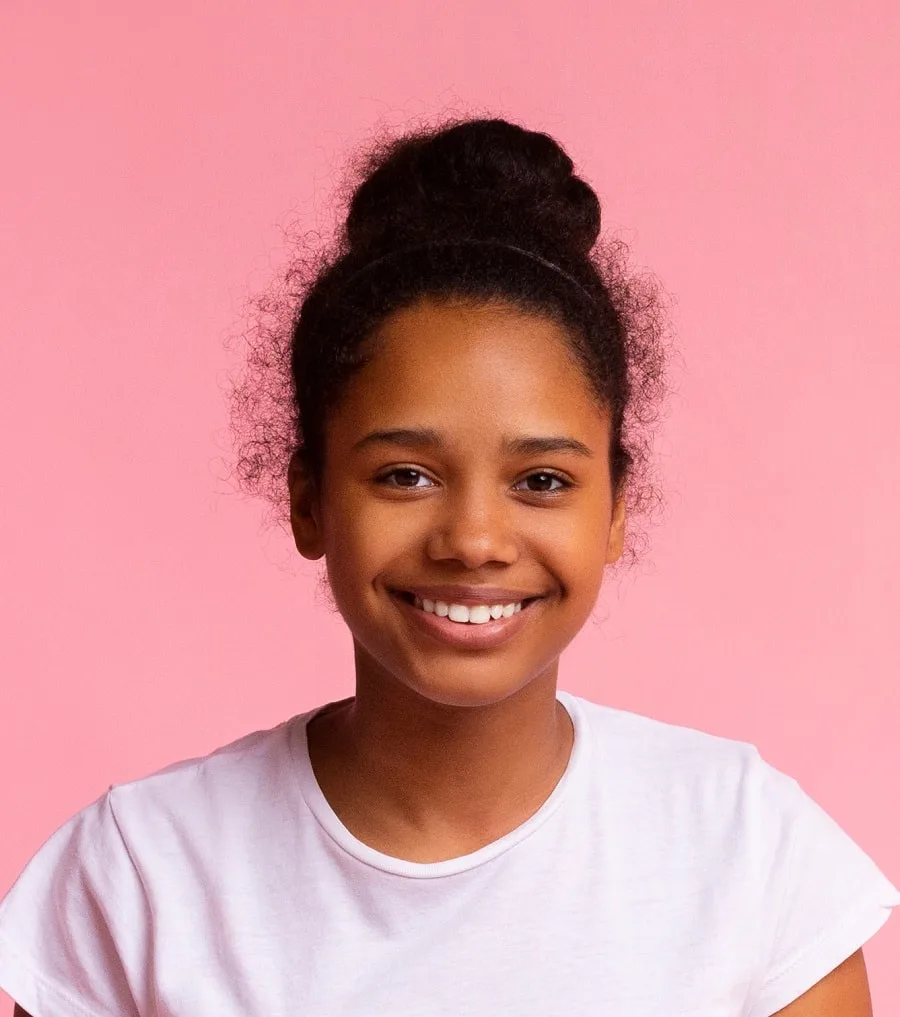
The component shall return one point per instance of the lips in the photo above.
(486, 636)
(470, 596)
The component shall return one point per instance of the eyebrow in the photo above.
(523, 445)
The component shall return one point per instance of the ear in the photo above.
(616, 538)
(306, 514)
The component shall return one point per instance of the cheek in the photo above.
(584, 567)
(361, 538)
(577, 552)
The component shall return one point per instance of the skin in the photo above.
(426, 761)
(443, 750)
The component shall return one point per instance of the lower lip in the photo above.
(476, 637)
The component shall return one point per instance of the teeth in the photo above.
(472, 615)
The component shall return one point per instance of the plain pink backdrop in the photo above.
(749, 155)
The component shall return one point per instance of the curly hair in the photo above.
(472, 209)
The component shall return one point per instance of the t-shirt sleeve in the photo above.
(824, 897)
(75, 926)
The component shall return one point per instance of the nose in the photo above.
(474, 527)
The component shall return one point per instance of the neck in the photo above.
(391, 761)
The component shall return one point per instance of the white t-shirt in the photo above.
(670, 872)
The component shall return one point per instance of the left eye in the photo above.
(404, 475)
(545, 479)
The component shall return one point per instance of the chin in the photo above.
(463, 686)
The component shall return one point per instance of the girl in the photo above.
(471, 372)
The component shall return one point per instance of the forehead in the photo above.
(472, 365)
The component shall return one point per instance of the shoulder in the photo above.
(230, 788)
(684, 782)
(674, 752)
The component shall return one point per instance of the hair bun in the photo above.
(477, 178)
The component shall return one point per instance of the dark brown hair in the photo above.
(481, 210)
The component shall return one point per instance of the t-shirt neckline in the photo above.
(335, 829)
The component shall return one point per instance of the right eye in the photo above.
(405, 477)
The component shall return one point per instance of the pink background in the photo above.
(749, 155)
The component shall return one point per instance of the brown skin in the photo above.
(444, 750)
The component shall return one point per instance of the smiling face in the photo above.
(466, 463)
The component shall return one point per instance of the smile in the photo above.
(473, 615)
(481, 626)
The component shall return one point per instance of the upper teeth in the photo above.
(461, 613)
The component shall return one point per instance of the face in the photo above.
(467, 465)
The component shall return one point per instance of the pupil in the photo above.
(409, 475)
(546, 480)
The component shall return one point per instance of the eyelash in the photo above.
(383, 479)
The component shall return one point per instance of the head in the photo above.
(462, 377)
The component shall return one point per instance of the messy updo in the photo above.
(477, 210)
